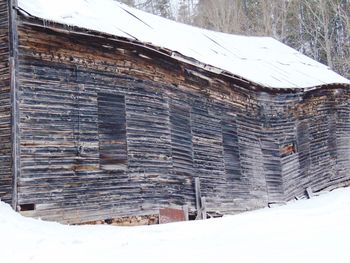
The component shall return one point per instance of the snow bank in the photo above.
(316, 230)
(262, 60)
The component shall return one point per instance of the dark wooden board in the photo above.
(5, 107)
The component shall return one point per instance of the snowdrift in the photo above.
(315, 230)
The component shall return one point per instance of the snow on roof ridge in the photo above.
(262, 60)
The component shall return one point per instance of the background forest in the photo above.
(318, 28)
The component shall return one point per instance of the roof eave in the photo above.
(70, 29)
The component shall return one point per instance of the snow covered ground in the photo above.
(316, 230)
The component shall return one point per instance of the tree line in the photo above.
(318, 28)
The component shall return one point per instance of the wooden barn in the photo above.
(110, 112)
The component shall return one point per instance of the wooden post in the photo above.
(204, 208)
(13, 64)
(185, 209)
(14, 135)
(309, 192)
(197, 187)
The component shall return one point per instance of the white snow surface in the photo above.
(262, 60)
(315, 230)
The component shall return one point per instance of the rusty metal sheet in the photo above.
(170, 215)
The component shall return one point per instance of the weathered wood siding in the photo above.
(329, 138)
(178, 125)
(276, 128)
(111, 132)
(111, 129)
(318, 129)
(342, 139)
(5, 107)
(182, 149)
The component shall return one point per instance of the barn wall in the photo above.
(179, 124)
(5, 107)
(342, 139)
(277, 131)
(328, 136)
(306, 138)
(109, 130)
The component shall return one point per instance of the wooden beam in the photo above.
(309, 192)
(185, 209)
(197, 188)
(204, 208)
(13, 64)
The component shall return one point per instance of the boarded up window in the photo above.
(112, 132)
(181, 139)
(231, 149)
(207, 148)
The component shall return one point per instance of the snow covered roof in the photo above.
(262, 60)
